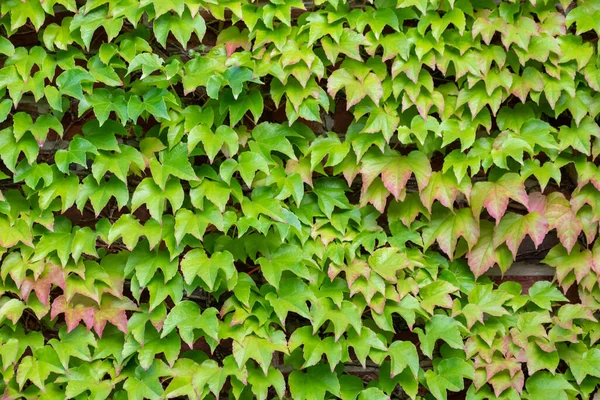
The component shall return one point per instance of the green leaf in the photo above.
(448, 375)
(314, 347)
(155, 198)
(145, 263)
(356, 89)
(71, 82)
(440, 327)
(543, 294)
(196, 263)
(187, 317)
(314, 384)
(180, 26)
(513, 228)
(404, 354)
(259, 349)
(544, 384)
(173, 162)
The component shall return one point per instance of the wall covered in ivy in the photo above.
(287, 199)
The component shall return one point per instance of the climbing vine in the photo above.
(236, 199)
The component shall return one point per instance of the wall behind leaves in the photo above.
(235, 199)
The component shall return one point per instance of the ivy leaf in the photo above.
(249, 162)
(513, 228)
(407, 308)
(364, 342)
(486, 253)
(507, 145)
(286, 257)
(272, 137)
(180, 26)
(544, 383)
(213, 142)
(330, 194)
(483, 299)
(11, 309)
(117, 164)
(259, 349)
(145, 263)
(440, 327)
(583, 364)
(144, 383)
(236, 76)
(155, 198)
(100, 194)
(196, 224)
(251, 100)
(70, 82)
(356, 89)
(196, 263)
(75, 344)
(262, 383)
(437, 294)
(446, 227)
(580, 262)
(38, 369)
(494, 196)
(173, 162)
(187, 317)
(325, 310)
(445, 189)
(579, 137)
(314, 383)
(387, 262)
(395, 170)
(449, 375)
(540, 359)
(293, 295)
(543, 294)
(77, 153)
(404, 354)
(561, 217)
(314, 347)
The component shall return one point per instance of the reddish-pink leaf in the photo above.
(494, 196)
(395, 178)
(561, 217)
(52, 275)
(484, 254)
(537, 202)
(73, 315)
(111, 310)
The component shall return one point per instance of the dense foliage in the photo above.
(213, 198)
